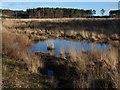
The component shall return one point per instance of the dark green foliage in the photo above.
(57, 13)
(49, 13)
(114, 13)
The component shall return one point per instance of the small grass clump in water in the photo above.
(50, 45)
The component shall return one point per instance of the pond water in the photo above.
(59, 45)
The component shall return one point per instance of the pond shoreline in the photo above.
(92, 30)
(36, 36)
(87, 69)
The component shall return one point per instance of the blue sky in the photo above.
(80, 5)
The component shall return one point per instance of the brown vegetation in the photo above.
(95, 30)
(50, 46)
(97, 65)
(17, 46)
(84, 69)
(78, 69)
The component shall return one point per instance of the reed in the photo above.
(62, 53)
(95, 64)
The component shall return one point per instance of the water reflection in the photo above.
(66, 45)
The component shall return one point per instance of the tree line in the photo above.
(49, 13)
(55, 13)
(59, 12)
(115, 13)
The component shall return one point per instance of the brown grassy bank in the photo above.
(19, 65)
(98, 30)
(17, 47)
(84, 69)
(90, 69)
(107, 26)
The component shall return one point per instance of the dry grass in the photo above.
(62, 53)
(90, 65)
(72, 54)
(62, 19)
(90, 24)
(17, 46)
(79, 29)
(96, 64)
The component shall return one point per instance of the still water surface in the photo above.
(59, 44)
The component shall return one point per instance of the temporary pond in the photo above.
(66, 45)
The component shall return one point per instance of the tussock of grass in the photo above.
(17, 46)
(62, 53)
(50, 45)
(96, 64)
